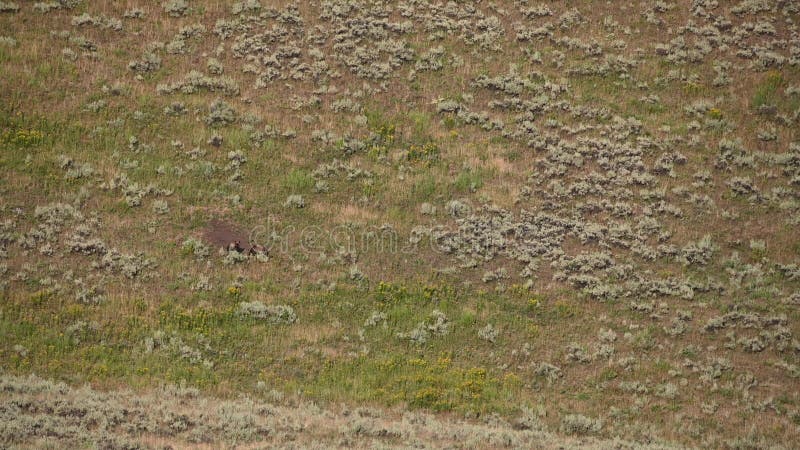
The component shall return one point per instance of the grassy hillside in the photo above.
(582, 217)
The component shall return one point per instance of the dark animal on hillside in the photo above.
(236, 246)
(257, 249)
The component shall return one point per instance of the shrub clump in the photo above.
(9, 7)
(196, 81)
(220, 113)
(457, 208)
(232, 257)
(250, 6)
(214, 67)
(699, 252)
(489, 333)
(277, 314)
(437, 325)
(580, 425)
(160, 207)
(176, 8)
(192, 246)
(135, 13)
(149, 62)
(91, 295)
(46, 7)
(294, 201)
(548, 371)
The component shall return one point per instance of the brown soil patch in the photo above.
(219, 233)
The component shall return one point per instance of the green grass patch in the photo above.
(469, 180)
(436, 384)
(298, 181)
(767, 91)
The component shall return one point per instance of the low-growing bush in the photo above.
(277, 314)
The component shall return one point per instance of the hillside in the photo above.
(538, 224)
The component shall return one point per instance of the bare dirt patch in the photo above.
(221, 233)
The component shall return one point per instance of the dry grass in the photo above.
(576, 159)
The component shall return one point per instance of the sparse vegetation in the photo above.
(399, 224)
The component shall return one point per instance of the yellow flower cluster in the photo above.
(425, 152)
(21, 138)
